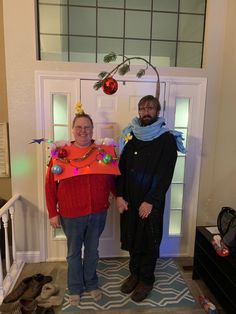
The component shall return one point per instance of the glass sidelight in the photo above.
(177, 187)
(61, 131)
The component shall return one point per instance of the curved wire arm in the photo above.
(126, 68)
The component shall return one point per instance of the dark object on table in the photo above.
(218, 273)
(226, 223)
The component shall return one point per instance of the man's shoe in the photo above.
(21, 288)
(28, 306)
(11, 307)
(35, 287)
(129, 284)
(141, 291)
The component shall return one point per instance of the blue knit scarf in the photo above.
(149, 132)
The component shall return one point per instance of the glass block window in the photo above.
(177, 186)
(166, 33)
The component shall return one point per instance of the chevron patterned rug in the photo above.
(170, 289)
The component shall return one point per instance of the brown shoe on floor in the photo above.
(35, 287)
(28, 306)
(141, 291)
(21, 288)
(129, 284)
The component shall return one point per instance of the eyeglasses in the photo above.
(148, 108)
(85, 128)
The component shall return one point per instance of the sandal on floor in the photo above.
(48, 290)
(54, 300)
(96, 294)
(74, 299)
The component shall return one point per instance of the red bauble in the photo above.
(62, 153)
(109, 86)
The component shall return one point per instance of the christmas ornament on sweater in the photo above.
(67, 160)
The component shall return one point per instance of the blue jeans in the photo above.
(85, 230)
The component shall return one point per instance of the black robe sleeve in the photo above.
(163, 172)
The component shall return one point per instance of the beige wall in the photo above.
(224, 181)
(218, 170)
(5, 183)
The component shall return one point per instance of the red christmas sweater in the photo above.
(78, 195)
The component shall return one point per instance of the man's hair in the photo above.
(82, 115)
(152, 99)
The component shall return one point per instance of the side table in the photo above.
(218, 273)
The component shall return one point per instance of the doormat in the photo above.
(170, 289)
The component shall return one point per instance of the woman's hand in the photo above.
(121, 204)
(55, 222)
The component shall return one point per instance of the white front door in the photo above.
(111, 113)
(184, 100)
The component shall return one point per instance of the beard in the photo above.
(147, 120)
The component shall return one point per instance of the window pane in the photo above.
(110, 22)
(61, 133)
(112, 4)
(60, 115)
(163, 53)
(163, 5)
(176, 196)
(181, 112)
(175, 222)
(53, 1)
(179, 170)
(137, 24)
(192, 6)
(83, 2)
(164, 26)
(105, 45)
(191, 27)
(189, 55)
(137, 48)
(184, 131)
(97, 19)
(54, 47)
(138, 4)
(82, 21)
(83, 49)
(53, 19)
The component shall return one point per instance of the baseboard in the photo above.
(28, 256)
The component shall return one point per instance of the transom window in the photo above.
(165, 32)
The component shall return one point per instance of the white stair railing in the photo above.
(13, 266)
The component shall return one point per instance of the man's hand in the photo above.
(121, 204)
(55, 222)
(145, 210)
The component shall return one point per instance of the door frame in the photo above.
(41, 76)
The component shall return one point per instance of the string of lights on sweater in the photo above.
(101, 156)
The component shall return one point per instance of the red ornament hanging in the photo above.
(109, 86)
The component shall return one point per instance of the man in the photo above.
(78, 185)
(147, 161)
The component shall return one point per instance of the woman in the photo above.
(78, 185)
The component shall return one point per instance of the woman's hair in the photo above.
(82, 115)
(152, 99)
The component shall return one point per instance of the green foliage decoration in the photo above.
(123, 68)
